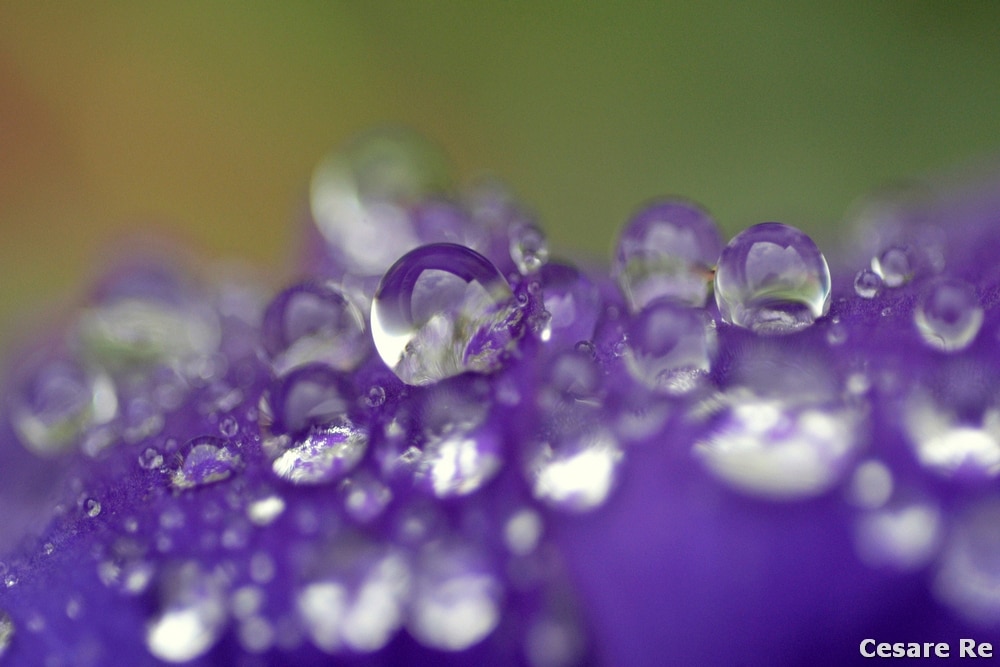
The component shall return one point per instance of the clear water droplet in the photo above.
(576, 470)
(443, 310)
(667, 250)
(772, 279)
(867, 284)
(948, 314)
(375, 397)
(151, 459)
(314, 322)
(896, 265)
(6, 632)
(309, 396)
(572, 301)
(92, 507)
(229, 427)
(456, 599)
(668, 343)
(207, 461)
(10, 580)
(323, 454)
(528, 248)
(192, 614)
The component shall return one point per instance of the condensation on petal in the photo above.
(192, 615)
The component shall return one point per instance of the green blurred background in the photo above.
(206, 119)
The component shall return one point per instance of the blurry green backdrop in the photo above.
(206, 119)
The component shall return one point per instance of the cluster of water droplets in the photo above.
(374, 455)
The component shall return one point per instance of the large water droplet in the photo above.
(772, 279)
(359, 196)
(576, 469)
(669, 347)
(948, 314)
(456, 599)
(443, 310)
(323, 454)
(314, 322)
(192, 615)
(207, 461)
(359, 606)
(667, 251)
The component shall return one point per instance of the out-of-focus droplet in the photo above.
(523, 531)
(949, 445)
(968, 574)
(948, 314)
(576, 469)
(456, 599)
(309, 396)
(772, 279)
(265, 511)
(905, 537)
(314, 322)
(57, 402)
(192, 615)
(867, 284)
(150, 459)
(6, 632)
(896, 265)
(207, 461)
(528, 248)
(365, 497)
(443, 310)
(572, 301)
(375, 397)
(774, 449)
(871, 485)
(92, 507)
(667, 251)
(459, 462)
(668, 346)
(360, 195)
(359, 606)
(323, 454)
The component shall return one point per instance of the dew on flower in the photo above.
(57, 403)
(246, 601)
(896, 265)
(150, 459)
(948, 445)
(262, 567)
(6, 632)
(456, 599)
(772, 279)
(575, 470)
(767, 447)
(376, 396)
(871, 485)
(264, 511)
(192, 614)
(365, 497)
(323, 454)
(522, 531)
(669, 346)
(667, 250)
(948, 314)
(528, 247)
(74, 607)
(256, 634)
(358, 197)
(358, 607)
(309, 396)
(968, 573)
(442, 310)
(92, 507)
(572, 379)
(867, 284)
(229, 427)
(314, 322)
(457, 462)
(904, 537)
(572, 301)
(207, 461)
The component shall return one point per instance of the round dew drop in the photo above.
(948, 315)
(772, 279)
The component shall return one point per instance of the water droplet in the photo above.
(263, 512)
(151, 459)
(948, 314)
(949, 445)
(572, 301)
(324, 454)
(666, 344)
(968, 576)
(375, 397)
(360, 605)
(206, 462)
(867, 284)
(772, 279)
(314, 322)
(456, 600)
(522, 532)
(359, 194)
(896, 265)
(229, 427)
(871, 485)
(576, 470)
(443, 310)
(667, 251)
(92, 507)
(904, 537)
(6, 632)
(10, 580)
(56, 402)
(771, 448)
(192, 614)
(365, 497)
(836, 333)
(309, 396)
(528, 248)
(459, 462)
(74, 607)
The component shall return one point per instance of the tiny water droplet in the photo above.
(948, 314)
(772, 279)
(528, 247)
(365, 497)
(376, 396)
(867, 284)
(667, 251)
(92, 507)
(6, 632)
(207, 461)
(442, 310)
(895, 265)
(10, 580)
(150, 459)
(229, 427)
